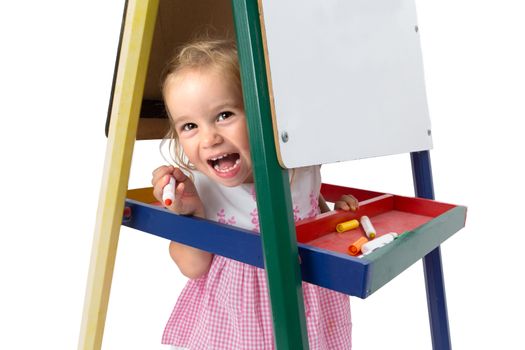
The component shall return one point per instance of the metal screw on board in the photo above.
(416, 28)
(284, 136)
(429, 132)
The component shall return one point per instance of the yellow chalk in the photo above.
(347, 225)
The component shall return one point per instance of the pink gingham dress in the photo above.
(228, 308)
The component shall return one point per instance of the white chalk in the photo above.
(370, 231)
(379, 242)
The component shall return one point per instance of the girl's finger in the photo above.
(178, 204)
(179, 175)
(351, 201)
(179, 189)
(158, 186)
(159, 173)
(347, 198)
(162, 169)
(341, 205)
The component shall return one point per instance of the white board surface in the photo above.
(347, 79)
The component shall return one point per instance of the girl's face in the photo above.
(208, 116)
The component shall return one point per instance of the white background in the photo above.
(56, 67)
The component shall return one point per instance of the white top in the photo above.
(237, 205)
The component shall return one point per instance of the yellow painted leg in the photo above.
(129, 87)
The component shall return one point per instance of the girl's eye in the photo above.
(188, 126)
(224, 116)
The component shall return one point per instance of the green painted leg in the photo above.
(272, 186)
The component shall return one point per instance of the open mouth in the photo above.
(225, 164)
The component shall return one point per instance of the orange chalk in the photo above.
(355, 248)
(347, 226)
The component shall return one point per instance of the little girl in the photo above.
(225, 303)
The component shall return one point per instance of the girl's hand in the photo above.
(187, 200)
(192, 262)
(347, 202)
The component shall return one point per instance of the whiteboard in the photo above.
(346, 79)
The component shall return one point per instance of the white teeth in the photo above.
(216, 167)
(219, 157)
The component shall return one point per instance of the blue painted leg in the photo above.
(435, 286)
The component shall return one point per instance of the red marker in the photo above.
(168, 193)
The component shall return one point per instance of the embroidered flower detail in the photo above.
(296, 212)
(314, 206)
(221, 217)
(255, 220)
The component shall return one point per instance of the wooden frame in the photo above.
(279, 251)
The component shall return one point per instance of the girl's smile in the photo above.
(208, 115)
(226, 165)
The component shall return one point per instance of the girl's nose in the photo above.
(210, 137)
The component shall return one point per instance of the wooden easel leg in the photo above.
(434, 281)
(436, 300)
(129, 87)
(274, 201)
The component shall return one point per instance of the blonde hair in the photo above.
(198, 54)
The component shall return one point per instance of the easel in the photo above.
(274, 203)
